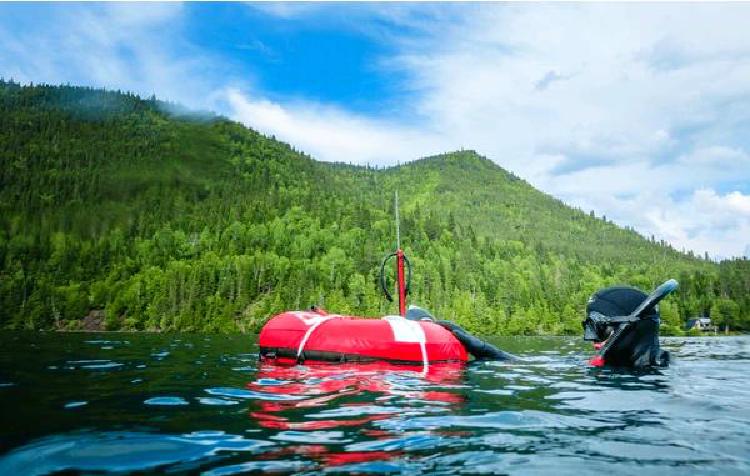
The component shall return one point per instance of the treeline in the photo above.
(109, 202)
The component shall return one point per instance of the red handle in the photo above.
(401, 282)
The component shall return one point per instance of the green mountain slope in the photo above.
(193, 222)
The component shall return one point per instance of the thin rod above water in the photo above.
(398, 229)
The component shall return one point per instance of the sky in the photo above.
(640, 112)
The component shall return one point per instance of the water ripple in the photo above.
(217, 401)
(166, 401)
(283, 467)
(250, 394)
(121, 452)
(76, 404)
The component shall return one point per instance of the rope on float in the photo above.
(309, 332)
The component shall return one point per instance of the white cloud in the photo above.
(719, 224)
(721, 208)
(333, 134)
(137, 48)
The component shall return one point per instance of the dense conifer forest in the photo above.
(156, 219)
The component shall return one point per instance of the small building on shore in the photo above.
(700, 324)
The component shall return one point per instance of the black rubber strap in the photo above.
(480, 349)
(384, 285)
(602, 319)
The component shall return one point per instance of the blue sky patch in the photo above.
(291, 59)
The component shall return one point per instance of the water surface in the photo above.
(202, 404)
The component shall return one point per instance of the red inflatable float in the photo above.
(316, 337)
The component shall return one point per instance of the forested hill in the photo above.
(112, 207)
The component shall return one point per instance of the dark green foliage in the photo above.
(165, 222)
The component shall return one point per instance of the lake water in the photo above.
(193, 403)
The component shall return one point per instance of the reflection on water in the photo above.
(142, 402)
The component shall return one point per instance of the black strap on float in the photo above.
(481, 350)
(384, 284)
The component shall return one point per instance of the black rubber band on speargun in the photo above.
(407, 287)
(384, 285)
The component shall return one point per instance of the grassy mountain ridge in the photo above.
(498, 204)
(193, 222)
